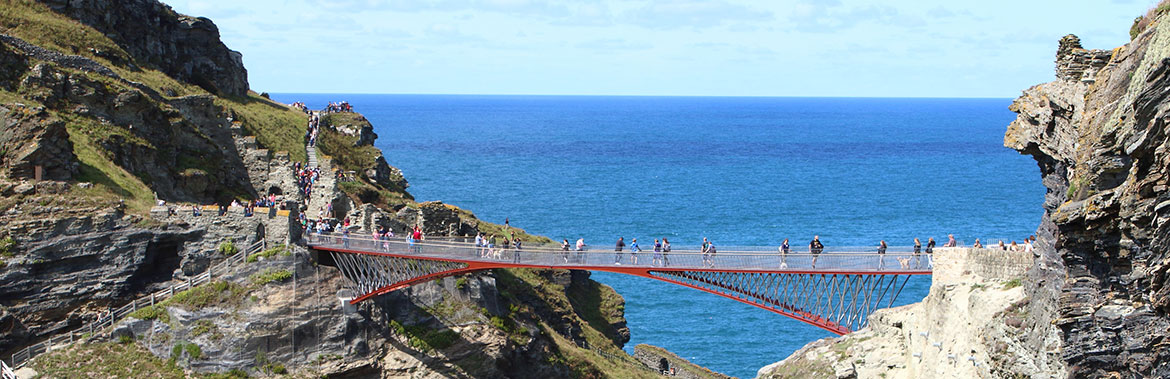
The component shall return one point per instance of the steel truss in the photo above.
(373, 275)
(839, 303)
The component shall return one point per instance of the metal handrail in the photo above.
(544, 256)
(23, 356)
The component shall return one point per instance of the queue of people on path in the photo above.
(306, 178)
(313, 129)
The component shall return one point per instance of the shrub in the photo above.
(193, 350)
(461, 283)
(154, 312)
(425, 339)
(270, 276)
(202, 327)
(279, 249)
(1012, 284)
(228, 248)
(7, 244)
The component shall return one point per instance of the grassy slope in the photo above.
(112, 360)
(594, 307)
(105, 360)
(275, 126)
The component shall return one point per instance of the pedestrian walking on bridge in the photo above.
(617, 250)
(815, 247)
(784, 250)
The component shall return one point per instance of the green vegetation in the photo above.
(37, 24)
(586, 363)
(424, 339)
(228, 248)
(343, 148)
(326, 358)
(153, 312)
(676, 361)
(204, 327)
(7, 245)
(193, 351)
(271, 252)
(218, 293)
(270, 276)
(1012, 283)
(461, 283)
(104, 360)
(269, 367)
(1142, 22)
(111, 182)
(276, 126)
(232, 374)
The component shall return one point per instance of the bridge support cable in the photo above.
(372, 275)
(839, 303)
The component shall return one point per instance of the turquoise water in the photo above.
(740, 171)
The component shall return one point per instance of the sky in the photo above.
(863, 48)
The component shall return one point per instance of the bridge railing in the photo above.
(21, 357)
(893, 261)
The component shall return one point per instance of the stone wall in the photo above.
(962, 264)
(1073, 61)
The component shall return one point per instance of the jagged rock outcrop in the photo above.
(67, 270)
(1103, 257)
(185, 48)
(183, 147)
(12, 66)
(33, 138)
(966, 327)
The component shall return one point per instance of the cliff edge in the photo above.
(1098, 133)
(1095, 300)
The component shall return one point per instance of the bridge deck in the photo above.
(740, 260)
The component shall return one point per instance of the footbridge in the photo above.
(835, 290)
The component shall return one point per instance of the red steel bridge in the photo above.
(833, 290)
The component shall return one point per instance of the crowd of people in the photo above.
(313, 129)
(1025, 247)
(300, 105)
(306, 178)
(338, 107)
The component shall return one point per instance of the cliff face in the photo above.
(115, 105)
(1099, 136)
(185, 48)
(966, 327)
(1096, 300)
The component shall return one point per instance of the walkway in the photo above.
(324, 189)
(835, 291)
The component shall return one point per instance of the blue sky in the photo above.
(985, 48)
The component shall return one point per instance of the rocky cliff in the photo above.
(1100, 139)
(153, 35)
(1096, 301)
(111, 107)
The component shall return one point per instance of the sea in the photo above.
(741, 171)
